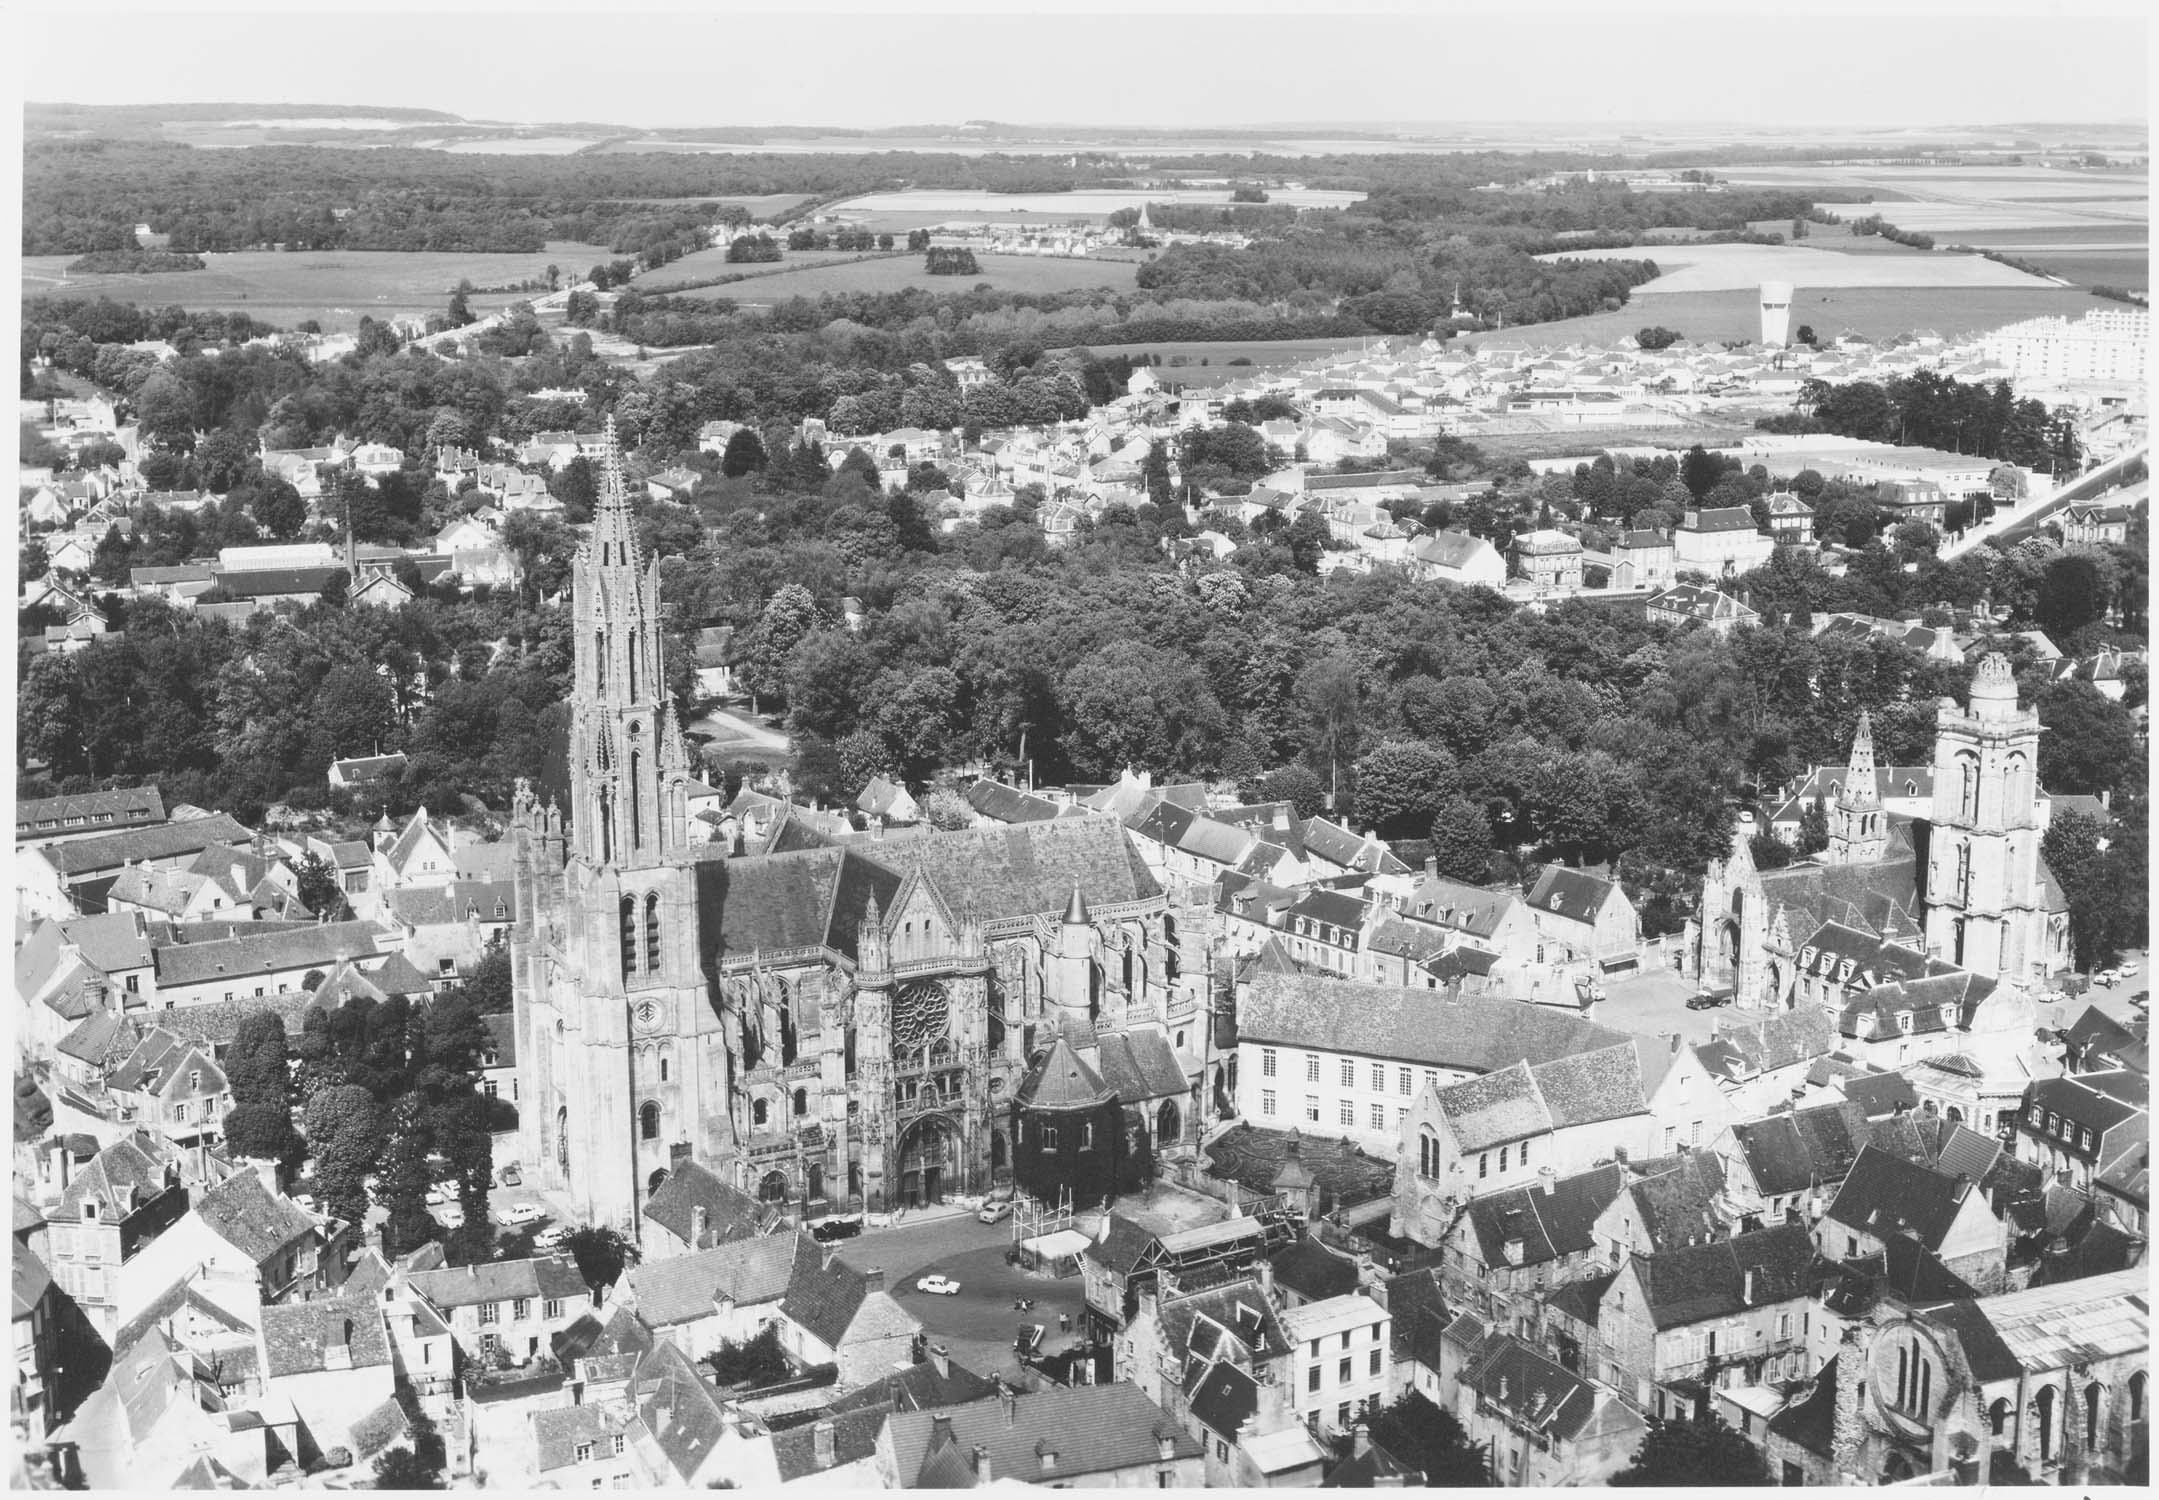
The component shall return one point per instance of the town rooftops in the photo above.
(116, 808)
(1718, 518)
(1789, 1153)
(252, 1219)
(727, 1214)
(546, 1276)
(1409, 1025)
(299, 1336)
(1575, 894)
(1551, 1220)
(1038, 1437)
(2049, 1328)
(164, 841)
(271, 953)
(1887, 1196)
(1534, 1392)
(684, 1288)
(1701, 1282)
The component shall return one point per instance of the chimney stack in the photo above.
(1266, 1276)
(1547, 1179)
(874, 1279)
(827, 1449)
(1010, 1396)
(983, 1473)
(941, 1357)
(1746, 1295)
(1165, 1437)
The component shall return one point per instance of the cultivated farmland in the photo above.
(1725, 268)
(336, 287)
(897, 272)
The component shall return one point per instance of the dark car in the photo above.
(836, 1229)
(1709, 999)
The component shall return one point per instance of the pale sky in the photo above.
(1188, 65)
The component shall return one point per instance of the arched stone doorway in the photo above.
(929, 1161)
(999, 1159)
(652, 1183)
(1956, 1115)
(773, 1189)
(1168, 1124)
(816, 1180)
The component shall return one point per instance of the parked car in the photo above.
(994, 1212)
(2141, 999)
(939, 1286)
(835, 1229)
(2108, 977)
(551, 1236)
(522, 1213)
(307, 1203)
(1709, 999)
(2130, 971)
(510, 1176)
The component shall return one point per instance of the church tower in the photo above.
(619, 1045)
(1858, 828)
(1983, 891)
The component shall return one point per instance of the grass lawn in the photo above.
(1016, 273)
(337, 287)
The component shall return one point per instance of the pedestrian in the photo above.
(1064, 1322)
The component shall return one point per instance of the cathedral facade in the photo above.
(836, 1027)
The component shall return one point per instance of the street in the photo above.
(977, 1326)
(1655, 1004)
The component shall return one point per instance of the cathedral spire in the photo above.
(614, 528)
(1860, 788)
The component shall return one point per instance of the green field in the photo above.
(1259, 354)
(893, 273)
(336, 287)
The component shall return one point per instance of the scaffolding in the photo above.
(1033, 1221)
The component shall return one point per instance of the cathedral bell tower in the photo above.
(624, 1063)
(1982, 883)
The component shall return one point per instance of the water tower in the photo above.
(1776, 313)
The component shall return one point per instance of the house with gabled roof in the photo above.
(1518, 1241)
(262, 963)
(505, 1310)
(50, 819)
(246, 1233)
(332, 1361)
(103, 1214)
(693, 1209)
(58, 880)
(1675, 1326)
(1790, 1162)
(172, 1086)
(1544, 1426)
(417, 854)
(834, 1314)
(1885, 1196)
(1587, 913)
(157, 1417)
(725, 1294)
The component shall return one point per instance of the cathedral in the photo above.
(845, 1027)
(1958, 903)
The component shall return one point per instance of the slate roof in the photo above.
(914, 1388)
(458, 901)
(559, 1432)
(1417, 1316)
(687, 1287)
(165, 841)
(1532, 1390)
(1882, 1094)
(1699, 1282)
(1051, 1436)
(1221, 1398)
(1312, 1271)
(1063, 1080)
(501, 1281)
(823, 1297)
(1678, 1205)
(1452, 550)
(252, 1219)
(1121, 1248)
(1007, 804)
(1140, 1064)
(1879, 897)
(296, 1334)
(103, 1039)
(1582, 1300)
(31, 1281)
(854, 1439)
(1718, 518)
(1409, 1025)
(597, 1335)
(1574, 894)
(1788, 1153)
(1778, 1041)
(1494, 1109)
(1885, 1195)
(1589, 1088)
(1550, 1225)
(680, 1411)
(730, 1213)
(271, 953)
(125, 804)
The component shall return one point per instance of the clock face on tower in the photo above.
(648, 1016)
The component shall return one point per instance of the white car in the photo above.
(306, 1203)
(2130, 971)
(993, 1212)
(551, 1236)
(939, 1286)
(522, 1213)
(2108, 977)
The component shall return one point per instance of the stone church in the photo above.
(841, 1027)
(1954, 907)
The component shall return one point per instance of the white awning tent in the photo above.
(1057, 1253)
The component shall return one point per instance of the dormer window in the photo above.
(89, 1211)
(1904, 1021)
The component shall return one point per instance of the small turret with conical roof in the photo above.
(1070, 982)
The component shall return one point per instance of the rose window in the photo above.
(921, 1014)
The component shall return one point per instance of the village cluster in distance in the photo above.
(1312, 865)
